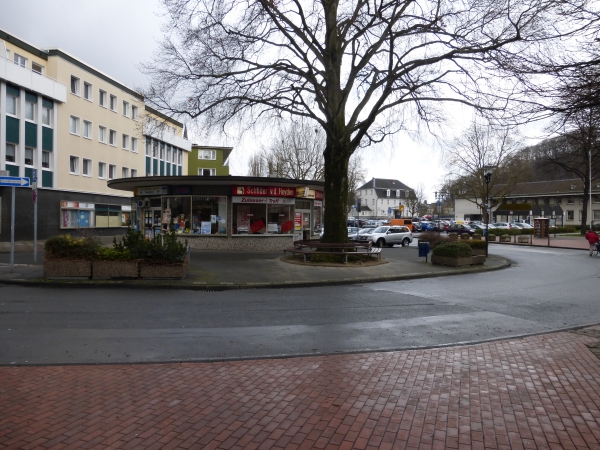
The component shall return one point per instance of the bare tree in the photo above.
(351, 66)
(414, 200)
(471, 155)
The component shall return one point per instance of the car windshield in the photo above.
(365, 231)
(352, 230)
(380, 230)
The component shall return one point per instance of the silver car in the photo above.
(391, 235)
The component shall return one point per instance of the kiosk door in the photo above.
(151, 222)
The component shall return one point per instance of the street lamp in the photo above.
(440, 197)
(487, 174)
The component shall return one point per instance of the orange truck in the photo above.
(406, 222)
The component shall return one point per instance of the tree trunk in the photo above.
(337, 156)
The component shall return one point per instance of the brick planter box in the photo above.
(478, 259)
(451, 261)
(115, 269)
(176, 270)
(505, 238)
(478, 251)
(492, 238)
(523, 239)
(57, 268)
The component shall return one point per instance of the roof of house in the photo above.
(381, 185)
(572, 186)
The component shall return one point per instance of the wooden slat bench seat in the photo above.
(313, 247)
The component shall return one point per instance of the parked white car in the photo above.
(503, 225)
(391, 235)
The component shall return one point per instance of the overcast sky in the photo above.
(116, 36)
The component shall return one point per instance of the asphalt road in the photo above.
(545, 290)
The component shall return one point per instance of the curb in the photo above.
(267, 285)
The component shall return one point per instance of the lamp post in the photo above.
(440, 197)
(487, 175)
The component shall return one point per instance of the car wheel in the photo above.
(405, 242)
(380, 242)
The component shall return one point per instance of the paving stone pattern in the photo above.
(538, 392)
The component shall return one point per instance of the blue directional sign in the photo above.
(14, 181)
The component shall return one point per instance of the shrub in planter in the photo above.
(66, 256)
(452, 254)
(433, 238)
(114, 263)
(465, 236)
(527, 231)
(453, 236)
(477, 237)
(523, 239)
(492, 238)
(505, 238)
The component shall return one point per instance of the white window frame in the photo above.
(207, 155)
(134, 112)
(110, 103)
(75, 170)
(44, 153)
(32, 156)
(134, 145)
(90, 132)
(50, 116)
(112, 142)
(90, 95)
(133, 173)
(124, 172)
(42, 70)
(572, 215)
(75, 83)
(74, 120)
(15, 154)
(125, 108)
(19, 60)
(102, 170)
(102, 97)
(125, 141)
(112, 171)
(16, 104)
(101, 134)
(213, 172)
(86, 168)
(33, 111)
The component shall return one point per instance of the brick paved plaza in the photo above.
(537, 392)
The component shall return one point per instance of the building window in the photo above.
(45, 160)
(125, 108)
(134, 112)
(570, 201)
(87, 129)
(74, 165)
(46, 116)
(133, 172)
(102, 98)
(74, 125)
(30, 111)
(174, 159)
(11, 105)
(388, 193)
(102, 134)
(207, 172)
(87, 91)
(125, 142)
(113, 103)
(87, 168)
(207, 154)
(162, 151)
(595, 198)
(263, 218)
(570, 215)
(112, 138)
(112, 172)
(74, 85)
(102, 170)
(11, 153)
(596, 215)
(20, 60)
(37, 68)
(124, 172)
(148, 147)
(29, 156)
(179, 155)
(201, 215)
(134, 145)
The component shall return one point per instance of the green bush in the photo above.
(564, 230)
(433, 238)
(66, 246)
(162, 248)
(453, 250)
(476, 244)
(113, 254)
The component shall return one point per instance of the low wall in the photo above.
(251, 243)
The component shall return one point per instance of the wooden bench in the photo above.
(314, 247)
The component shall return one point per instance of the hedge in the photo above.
(454, 250)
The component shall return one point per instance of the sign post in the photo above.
(13, 182)
(34, 198)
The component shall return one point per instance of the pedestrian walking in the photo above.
(593, 238)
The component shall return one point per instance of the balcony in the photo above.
(32, 81)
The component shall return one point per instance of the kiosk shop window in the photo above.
(92, 215)
(317, 217)
(195, 214)
(280, 219)
(250, 218)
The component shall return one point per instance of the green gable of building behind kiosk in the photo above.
(220, 163)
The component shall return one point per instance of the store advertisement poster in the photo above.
(205, 228)
(287, 226)
(257, 226)
(298, 220)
